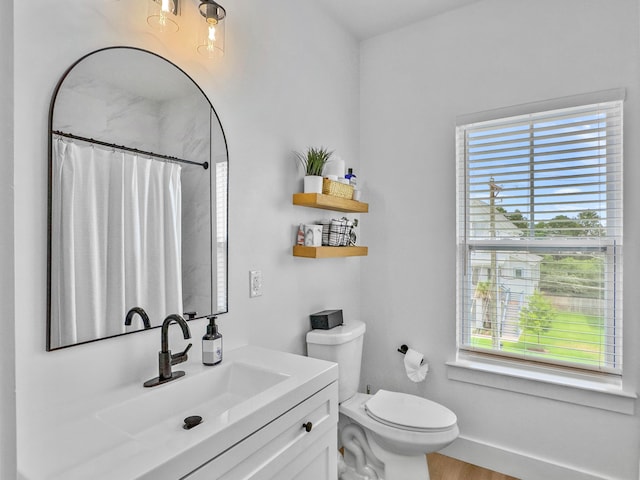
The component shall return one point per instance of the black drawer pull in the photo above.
(307, 426)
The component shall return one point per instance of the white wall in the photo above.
(414, 82)
(7, 338)
(289, 79)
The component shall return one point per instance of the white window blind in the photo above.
(540, 236)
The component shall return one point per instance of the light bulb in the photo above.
(211, 33)
(211, 43)
(160, 16)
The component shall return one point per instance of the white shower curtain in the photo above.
(116, 240)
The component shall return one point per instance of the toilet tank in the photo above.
(342, 345)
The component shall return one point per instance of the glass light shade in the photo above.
(211, 38)
(160, 16)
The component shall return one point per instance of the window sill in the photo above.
(605, 392)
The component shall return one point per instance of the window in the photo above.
(475, 275)
(540, 211)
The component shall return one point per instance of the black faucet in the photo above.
(165, 358)
(140, 311)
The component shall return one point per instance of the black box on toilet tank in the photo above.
(326, 319)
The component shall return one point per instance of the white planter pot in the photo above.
(312, 184)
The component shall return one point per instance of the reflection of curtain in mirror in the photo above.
(116, 234)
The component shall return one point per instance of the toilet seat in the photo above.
(397, 438)
(409, 412)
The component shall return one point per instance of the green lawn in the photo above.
(572, 336)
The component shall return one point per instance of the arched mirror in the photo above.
(137, 198)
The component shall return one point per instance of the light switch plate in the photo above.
(255, 283)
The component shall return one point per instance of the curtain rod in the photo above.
(204, 165)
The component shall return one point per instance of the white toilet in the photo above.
(385, 436)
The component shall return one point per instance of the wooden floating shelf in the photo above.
(329, 252)
(329, 202)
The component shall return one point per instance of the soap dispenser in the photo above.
(212, 344)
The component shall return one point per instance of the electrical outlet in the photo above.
(255, 283)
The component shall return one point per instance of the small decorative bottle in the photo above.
(351, 177)
(212, 344)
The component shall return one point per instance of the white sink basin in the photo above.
(134, 432)
(212, 394)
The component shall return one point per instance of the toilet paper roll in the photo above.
(414, 366)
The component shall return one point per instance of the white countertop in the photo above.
(80, 445)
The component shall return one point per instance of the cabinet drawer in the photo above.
(273, 448)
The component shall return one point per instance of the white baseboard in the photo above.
(515, 464)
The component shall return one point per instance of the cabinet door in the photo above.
(283, 449)
(316, 463)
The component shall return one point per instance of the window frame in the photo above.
(465, 270)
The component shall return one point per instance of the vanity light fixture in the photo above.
(162, 15)
(211, 34)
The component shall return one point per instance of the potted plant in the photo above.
(313, 162)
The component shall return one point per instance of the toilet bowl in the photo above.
(387, 435)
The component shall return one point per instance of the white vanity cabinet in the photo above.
(256, 408)
(283, 449)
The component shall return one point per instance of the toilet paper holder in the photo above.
(404, 349)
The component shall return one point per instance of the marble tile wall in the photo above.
(184, 127)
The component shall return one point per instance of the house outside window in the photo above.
(540, 214)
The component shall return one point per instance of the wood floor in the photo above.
(447, 468)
